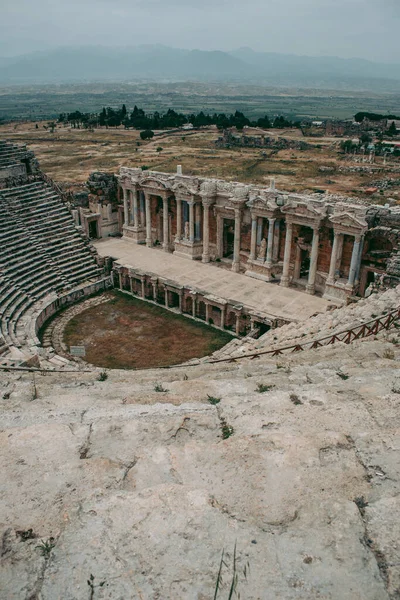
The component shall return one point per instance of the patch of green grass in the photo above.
(295, 399)
(159, 388)
(46, 546)
(103, 376)
(226, 430)
(213, 399)
(262, 388)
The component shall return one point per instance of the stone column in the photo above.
(142, 211)
(191, 221)
(220, 228)
(178, 219)
(339, 252)
(236, 244)
(166, 298)
(154, 284)
(120, 280)
(286, 260)
(131, 284)
(148, 221)
(310, 287)
(126, 210)
(143, 288)
(206, 231)
(354, 261)
(207, 312)
(357, 279)
(237, 326)
(194, 307)
(334, 255)
(223, 317)
(271, 224)
(165, 225)
(275, 253)
(135, 209)
(253, 244)
(180, 301)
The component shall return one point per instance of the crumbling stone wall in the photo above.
(102, 187)
(229, 140)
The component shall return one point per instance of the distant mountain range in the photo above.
(161, 63)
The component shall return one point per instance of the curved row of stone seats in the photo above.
(41, 254)
(11, 153)
(319, 326)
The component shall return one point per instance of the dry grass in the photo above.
(70, 155)
(130, 333)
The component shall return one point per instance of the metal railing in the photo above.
(347, 336)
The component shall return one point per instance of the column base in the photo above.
(148, 243)
(236, 267)
(284, 282)
(136, 234)
(187, 249)
(336, 293)
(205, 258)
(310, 289)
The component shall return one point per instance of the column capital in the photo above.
(207, 202)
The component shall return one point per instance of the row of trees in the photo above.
(139, 119)
(360, 116)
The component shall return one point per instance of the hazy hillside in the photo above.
(163, 63)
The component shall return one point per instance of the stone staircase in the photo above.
(42, 255)
(317, 327)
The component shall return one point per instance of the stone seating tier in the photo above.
(41, 253)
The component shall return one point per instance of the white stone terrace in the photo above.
(268, 299)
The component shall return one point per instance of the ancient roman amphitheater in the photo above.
(268, 470)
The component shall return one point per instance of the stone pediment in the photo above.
(348, 220)
(155, 184)
(305, 211)
(265, 201)
(184, 190)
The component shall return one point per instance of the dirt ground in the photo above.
(132, 334)
(70, 155)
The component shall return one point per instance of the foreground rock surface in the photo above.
(139, 489)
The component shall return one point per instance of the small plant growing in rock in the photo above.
(159, 388)
(295, 399)
(92, 585)
(227, 430)
(388, 354)
(103, 376)
(262, 388)
(46, 546)
(213, 399)
(27, 534)
(361, 504)
(342, 375)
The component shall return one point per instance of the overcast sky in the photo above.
(347, 28)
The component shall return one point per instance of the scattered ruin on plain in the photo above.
(141, 481)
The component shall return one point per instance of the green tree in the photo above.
(147, 134)
(392, 129)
